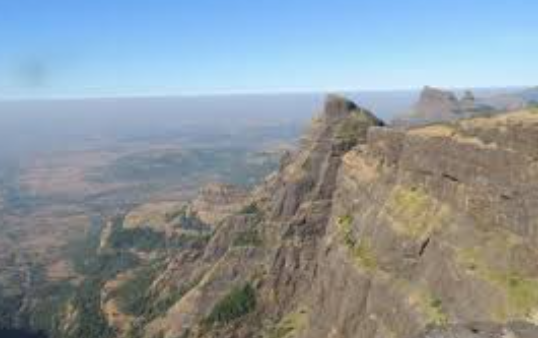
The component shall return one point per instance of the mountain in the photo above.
(530, 94)
(512, 100)
(437, 105)
(364, 231)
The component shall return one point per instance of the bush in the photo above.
(143, 239)
(247, 238)
(108, 265)
(133, 294)
(91, 322)
(238, 302)
(251, 209)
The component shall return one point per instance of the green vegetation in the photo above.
(414, 213)
(87, 300)
(520, 292)
(96, 268)
(239, 302)
(352, 128)
(346, 231)
(132, 294)
(136, 296)
(187, 220)
(251, 209)
(52, 297)
(9, 307)
(109, 264)
(230, 164)
(289, 326)
(143, 239)
(363, 254)
(90, 320)
(360, 250)
(421, 298)
(247, 238)
(435, 312)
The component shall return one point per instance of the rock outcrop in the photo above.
(216, 201)
(436, 105)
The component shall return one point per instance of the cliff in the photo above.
(365, 231)
(432, 226)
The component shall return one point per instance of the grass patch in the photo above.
(239, 302)
(360, 250)
(435, 312)
(290, 325)
(414, 213)
(430, 306)
(520, 292)
(364, 256)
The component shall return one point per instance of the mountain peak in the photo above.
(337, 108)
(436, 105)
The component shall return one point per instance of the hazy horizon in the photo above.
(120, 48)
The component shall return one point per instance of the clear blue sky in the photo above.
(55, 48)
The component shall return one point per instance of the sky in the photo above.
(100, 48)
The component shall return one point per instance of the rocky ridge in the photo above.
(365, 231)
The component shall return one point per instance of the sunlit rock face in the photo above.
(432, 226)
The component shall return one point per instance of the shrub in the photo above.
(133, 294)
(251, 209)
(238, 302)
(247, 238)
(143, 239)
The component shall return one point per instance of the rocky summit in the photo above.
(365, 231)
(437, 105)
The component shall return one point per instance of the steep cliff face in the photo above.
(365, 231)
(432, 226)
(272, 243)
(230, 264)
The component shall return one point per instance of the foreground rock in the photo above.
(516, 330)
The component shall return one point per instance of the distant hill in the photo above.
(438, 105)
